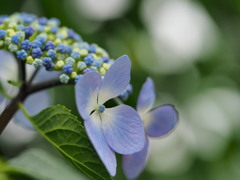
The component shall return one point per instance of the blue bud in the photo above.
(77, 37)
(54, 29)
(92, 49)
(70, 60)
(51, 53)
(29, 31)
(48, 64)
(2, 34)
(37, 63)
(93, 68)
(42, 21)
(89, 59)
(22, 54)
(97, 64)
(67, 69)
(77, 78)
(21, 27)
(41, 38)
(68, 49)
(40, 28)
(75, 54)
(36, 44)
(87, 70)
(27, 18)
(13, 47)
(26, 44)
(84, 45)
(20, 34)
(70, 33)
(15, 39)
(81, 65)
(61, 48)
(49, 45)
(64, 78)
(105, 59)
(36, 53)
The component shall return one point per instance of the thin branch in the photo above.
(10, 110)
(33, 76)
(46, 85)
(12, 107)
(22, 73)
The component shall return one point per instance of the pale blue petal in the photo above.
(115, 80)
(146, 97)
(86, 91)
(160, 121)
(94, 130)
(123, 129)
(133, 164)
(34, 104)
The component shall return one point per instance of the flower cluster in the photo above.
(121, 129)
(117, 129)
(42, 42)
(158, 122)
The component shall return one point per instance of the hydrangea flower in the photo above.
(158, 122)
(33, 39)
(118, 129)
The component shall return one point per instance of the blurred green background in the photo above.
(191, 50)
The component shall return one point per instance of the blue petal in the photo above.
(34, 104)
(95, 133)
(123, 129)
(86, 91)
(146, 97)
(115, 80)
(160, 121)
(133, 164)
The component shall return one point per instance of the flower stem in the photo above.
(25, 90)
(22, 73)
(24, 111)
(33, 76)
(46, 85)
(10, 110)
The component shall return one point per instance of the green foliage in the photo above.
(40, 164)
(15, 83)
(3, 92)
(63, 130)
(8, 172)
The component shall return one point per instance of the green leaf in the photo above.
(64, 131)
(40, 164)
(3, 92)
(15, 83)
(10, 173)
